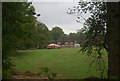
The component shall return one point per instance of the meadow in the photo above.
(68, 63)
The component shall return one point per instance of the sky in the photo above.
(55, 14)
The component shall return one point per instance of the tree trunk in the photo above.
(113, 40)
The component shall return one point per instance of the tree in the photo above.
(73, 35)
(80, 37)
(43, 35)
(56, 33)
(18, 20)
(112, 39)
(20, 30)
(102, 32)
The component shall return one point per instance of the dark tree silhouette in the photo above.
(102, 32)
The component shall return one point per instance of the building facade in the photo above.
(65, 41)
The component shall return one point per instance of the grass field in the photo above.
(68, 63)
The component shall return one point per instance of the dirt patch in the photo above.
(31, 75)
(27, 75)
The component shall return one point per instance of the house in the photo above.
(65, 41)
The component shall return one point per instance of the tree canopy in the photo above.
(79, 36)
(20, 30)
(56, 33)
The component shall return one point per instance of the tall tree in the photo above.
(18, 20)
(43, 35)
(56, 33)
(73, 35)
(102, 32)
(80, 37)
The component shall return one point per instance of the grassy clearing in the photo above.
(68, 63)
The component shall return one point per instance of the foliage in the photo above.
(95, 30)
(94, 26)
(48, 73)
(43, 35)
(79, 37)
(13, 16)
(73, 35)
(19, 31)
(56, 33)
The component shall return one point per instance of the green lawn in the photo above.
(68, 63)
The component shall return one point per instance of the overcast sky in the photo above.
(54, 14)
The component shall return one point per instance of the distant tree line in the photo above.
(79, 36)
